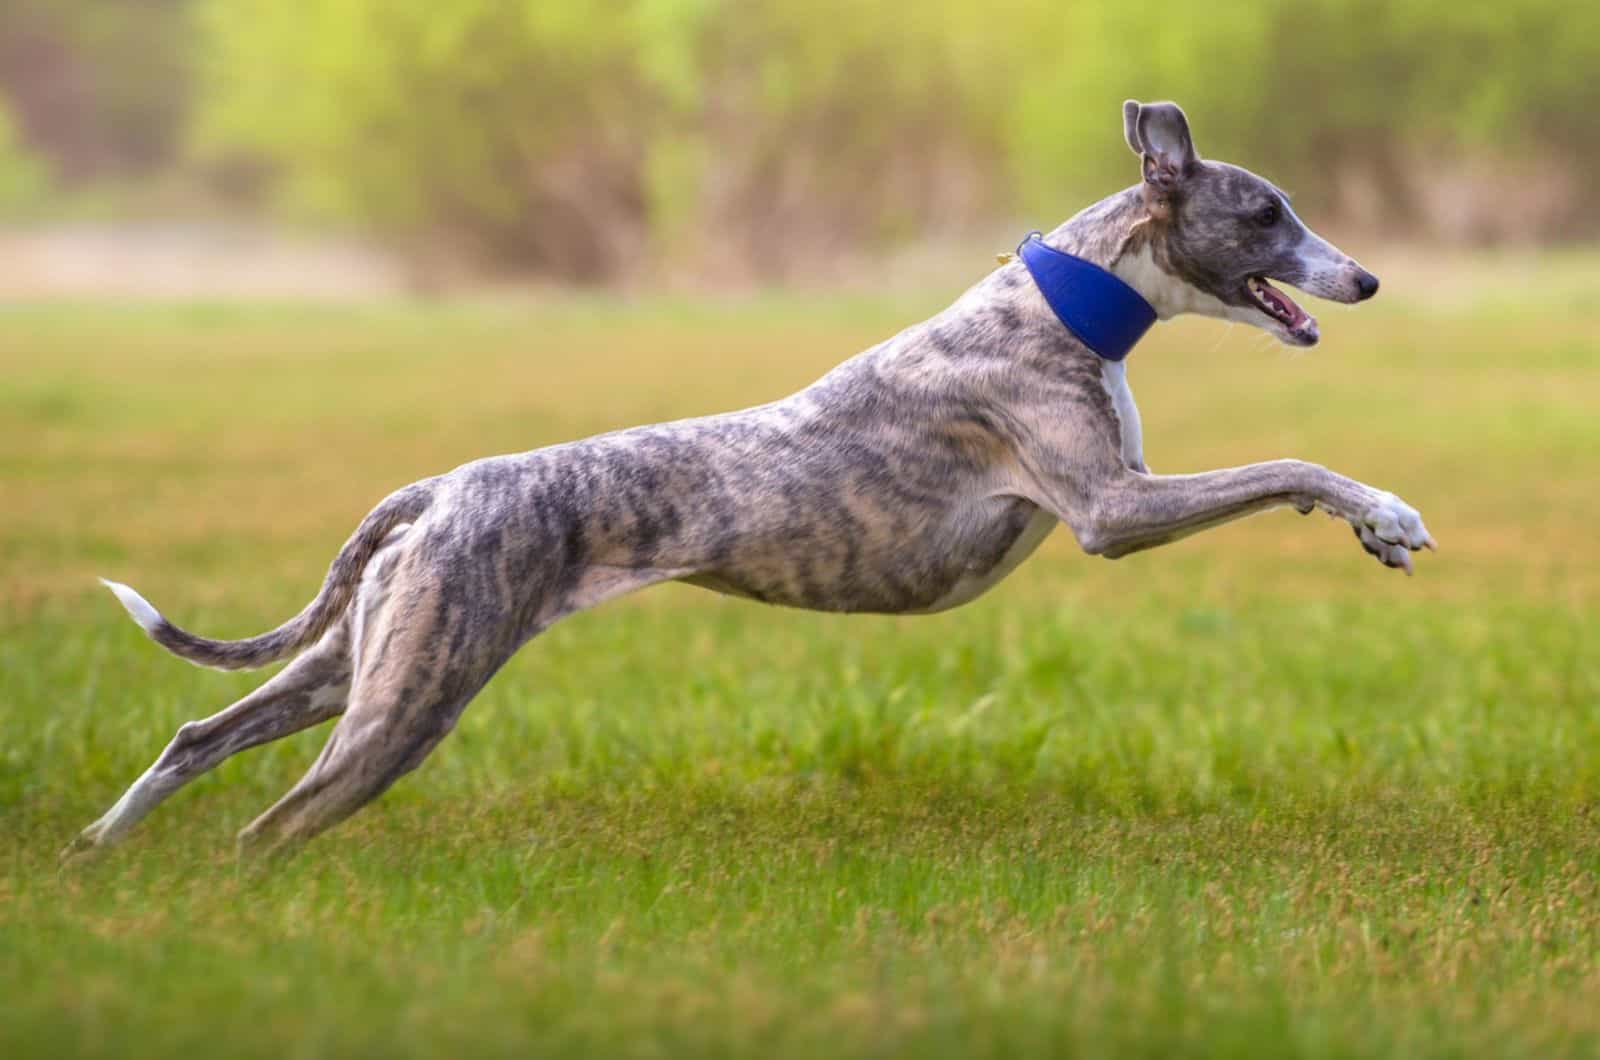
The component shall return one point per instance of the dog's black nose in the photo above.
(1366, 285)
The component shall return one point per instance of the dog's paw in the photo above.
(84, 849)
(1391, 530)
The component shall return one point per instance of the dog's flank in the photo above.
(911, 478)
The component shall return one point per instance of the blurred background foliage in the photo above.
(591, 140)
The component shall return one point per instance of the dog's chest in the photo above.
(1114, 377)
(984, 571)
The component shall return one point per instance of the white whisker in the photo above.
(1222, 337)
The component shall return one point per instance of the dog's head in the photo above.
(1219, 233)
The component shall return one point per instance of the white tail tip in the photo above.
(148, 617)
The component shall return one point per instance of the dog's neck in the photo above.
(1122, 234)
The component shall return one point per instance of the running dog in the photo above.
(910, 479)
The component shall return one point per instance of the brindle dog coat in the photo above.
(911, 478)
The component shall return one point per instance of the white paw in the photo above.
(1391, 530)
(83, 848)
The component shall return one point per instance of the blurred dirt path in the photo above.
(187, 260)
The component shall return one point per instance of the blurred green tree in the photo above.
(568, 137)
(588, 139)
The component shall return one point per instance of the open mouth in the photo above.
(1282, 308)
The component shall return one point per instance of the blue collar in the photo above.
(1102, 311)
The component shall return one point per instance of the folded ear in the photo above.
(1159, 133)
(1130, 125)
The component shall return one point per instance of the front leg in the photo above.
(1129, 512)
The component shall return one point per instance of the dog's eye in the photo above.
(1267, 216)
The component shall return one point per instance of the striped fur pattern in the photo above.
(911, 478)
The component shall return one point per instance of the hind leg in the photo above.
(309, 690)
(418, 664)
(423, 648)
(364, 756)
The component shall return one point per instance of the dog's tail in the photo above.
(338, 589)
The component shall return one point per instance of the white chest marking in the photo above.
(1114, 377)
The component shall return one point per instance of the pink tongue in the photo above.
(1296, 314)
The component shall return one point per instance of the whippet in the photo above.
(910, 479)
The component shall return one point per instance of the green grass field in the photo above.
(1247, 795)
